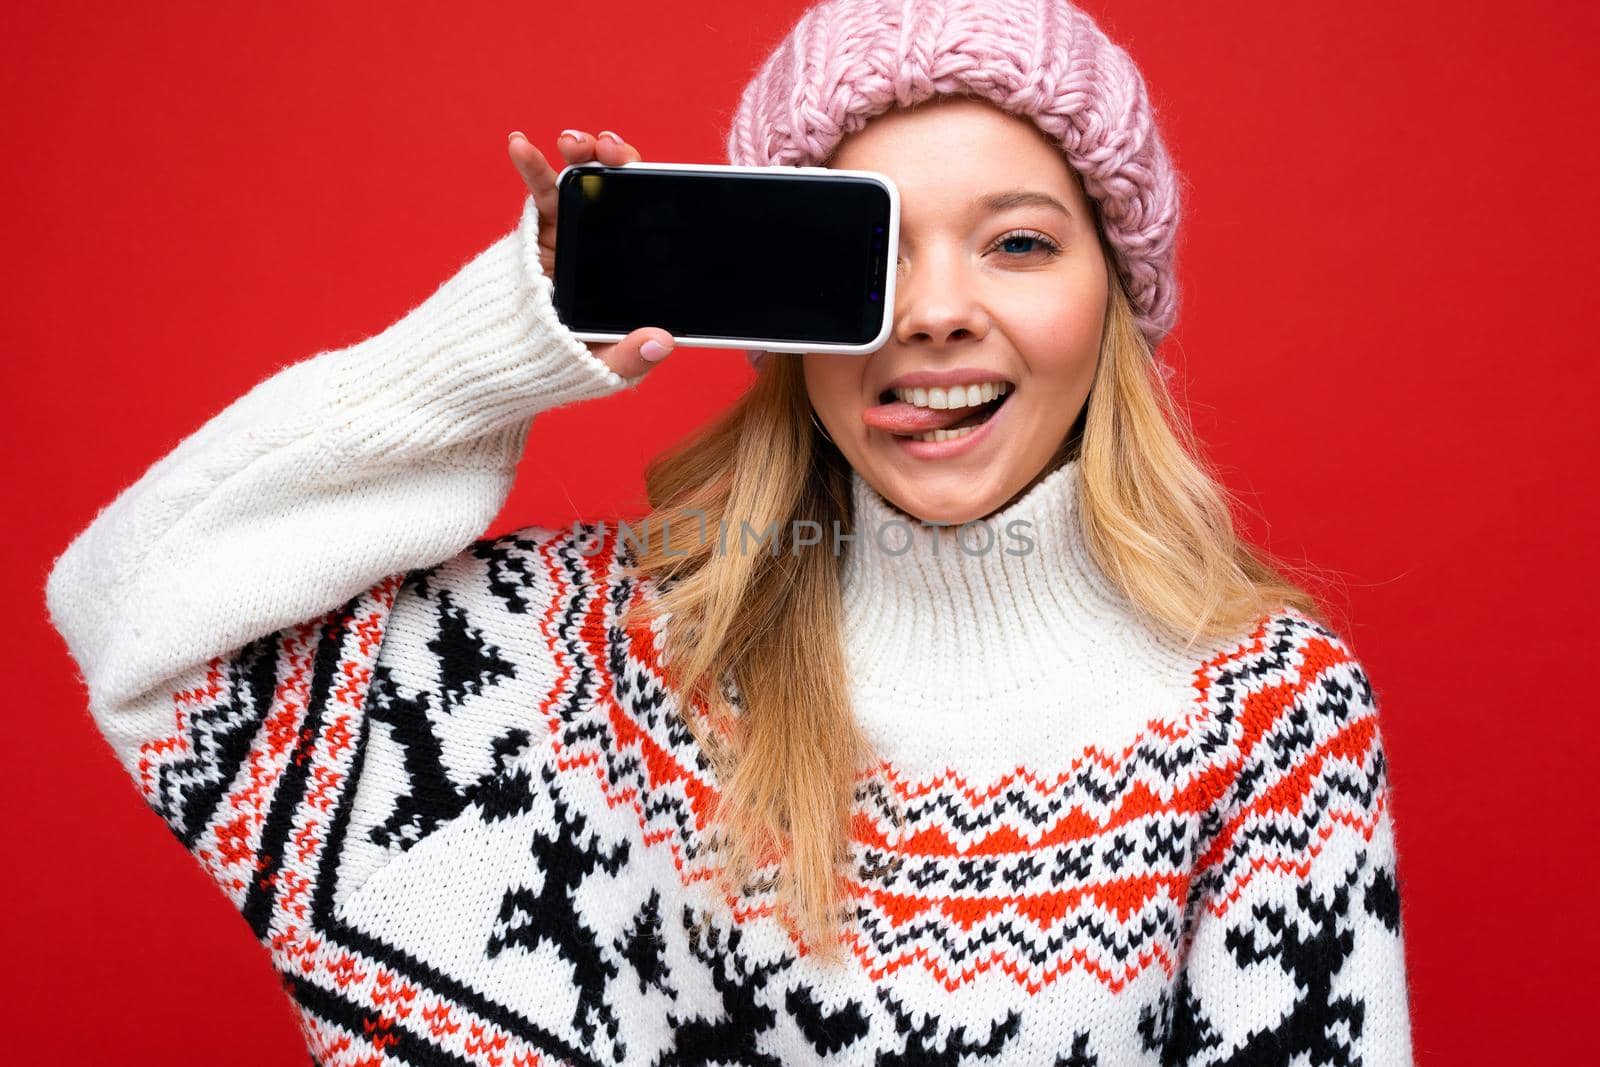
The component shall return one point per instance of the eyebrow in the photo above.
(1020, 198)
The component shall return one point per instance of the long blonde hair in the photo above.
(783, 738)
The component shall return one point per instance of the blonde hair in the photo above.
(788, 753)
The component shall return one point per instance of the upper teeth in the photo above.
(956, 396)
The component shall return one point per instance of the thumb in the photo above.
(630, 358)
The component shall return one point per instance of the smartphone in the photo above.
(779, 258)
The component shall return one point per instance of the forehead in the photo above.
(946, 152)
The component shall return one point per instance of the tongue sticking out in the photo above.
(899, 417)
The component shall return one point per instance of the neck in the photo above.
(933, 618)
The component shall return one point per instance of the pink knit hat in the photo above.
(846, 61)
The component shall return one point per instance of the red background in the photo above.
(1386, 263)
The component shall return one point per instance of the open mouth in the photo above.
(937, 414)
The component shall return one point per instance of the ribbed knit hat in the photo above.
(846, 61)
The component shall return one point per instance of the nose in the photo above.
(936, 302)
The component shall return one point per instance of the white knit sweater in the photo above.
(456, 803)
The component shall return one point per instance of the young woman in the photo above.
(1026, 759)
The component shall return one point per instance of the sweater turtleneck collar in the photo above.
(942, 625)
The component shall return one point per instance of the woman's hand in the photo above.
(628, 357)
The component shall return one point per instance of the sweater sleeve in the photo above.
(1296, 953)
(228, 610)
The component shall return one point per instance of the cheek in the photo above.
(1058, 338)
(833, 382)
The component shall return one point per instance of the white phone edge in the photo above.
(767, 344)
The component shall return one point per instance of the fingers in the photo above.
(577, 146)
(643, 348)
(536, 172)
(530, 162)
(630, 357)
(613, 151)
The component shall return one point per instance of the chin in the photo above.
(959, 504)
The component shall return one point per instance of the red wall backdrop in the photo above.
(1387, 262)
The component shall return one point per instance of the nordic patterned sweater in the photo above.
(453, 799)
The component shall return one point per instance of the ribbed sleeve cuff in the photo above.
(469, 367)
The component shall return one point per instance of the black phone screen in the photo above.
(786, 257)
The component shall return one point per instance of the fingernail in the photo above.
(514, 134)
(608, 135)
(573, 134)
(654, 350)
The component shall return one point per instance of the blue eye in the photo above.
(1048, 247)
